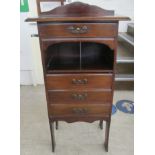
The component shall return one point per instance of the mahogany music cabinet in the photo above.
(78, 48)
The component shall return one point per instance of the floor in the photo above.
(74, 138)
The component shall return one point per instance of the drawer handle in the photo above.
(80, 111)
(79, 96)
(79, 81)
(78, 30)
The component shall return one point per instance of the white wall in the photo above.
(25, 52)
(121, 7)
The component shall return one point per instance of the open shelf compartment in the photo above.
(79, 57)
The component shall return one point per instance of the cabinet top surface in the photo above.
(77, 11)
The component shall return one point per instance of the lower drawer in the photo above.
(91, 97)
(79, 110)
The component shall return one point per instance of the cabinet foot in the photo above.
(56, 125)
(52, 136)
(106, 147)
(101, 124)
(106, 143)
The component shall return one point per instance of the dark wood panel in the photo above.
(79, 110)
(72, 96)
(78, 30)
(78, 81)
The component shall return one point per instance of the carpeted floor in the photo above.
(74, 138)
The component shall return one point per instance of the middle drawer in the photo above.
(91, 97)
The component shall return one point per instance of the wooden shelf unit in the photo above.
(78, 49)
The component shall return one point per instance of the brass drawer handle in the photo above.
(79, 81)
(78, 30)
(80, 111)
(79, 96)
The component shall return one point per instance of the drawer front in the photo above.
(78, 30)
(90, 97)
(79, 110)
(79, 81)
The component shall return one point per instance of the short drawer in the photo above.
(79, 110)
(78, 81)
(70, 97)
(78, 30)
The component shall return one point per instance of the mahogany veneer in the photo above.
(78, 96)
(78, 48)
(87, 30)
(74, 110)
(70, 81)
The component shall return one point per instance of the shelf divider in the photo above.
(80, 56)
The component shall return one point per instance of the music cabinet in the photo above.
(78, 48)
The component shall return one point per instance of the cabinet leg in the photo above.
(101, 124)
(56, 125)
(107, 135)
(52, 136)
